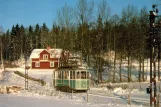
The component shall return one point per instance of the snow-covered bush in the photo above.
(1, 74)
(3, 90)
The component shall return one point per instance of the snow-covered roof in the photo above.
(36, 52)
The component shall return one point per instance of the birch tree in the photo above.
(1, 48)
(103, 10)
(65, 21)
(83, 15)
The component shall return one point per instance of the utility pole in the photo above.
(153, 55)
(26, 73)
(26, 54)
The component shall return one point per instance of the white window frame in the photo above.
(52, 64)
(45, 57)
(37, 64)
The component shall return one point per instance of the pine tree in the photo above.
(29, 45)
(44, 36)
(99, 46)
(38, 36)
(23, 40)
(17, 42)
(6, 45)
(12, 44)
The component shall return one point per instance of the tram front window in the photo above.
(83, 75)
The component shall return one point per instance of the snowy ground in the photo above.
(46, 75)
(37, 101)
(46, 96)
(43, 101)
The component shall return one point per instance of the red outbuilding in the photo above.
(45, 58)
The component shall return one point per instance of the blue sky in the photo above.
(30, 12)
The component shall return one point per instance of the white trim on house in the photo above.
(37, 64)
(52, 64)
(45, 56)
(45, 61)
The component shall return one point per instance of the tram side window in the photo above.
(59, 74)
(66, 75)
(78, 75)
(83, 74)
(72, 75)
(62, 74)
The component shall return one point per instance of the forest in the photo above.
(88, 28)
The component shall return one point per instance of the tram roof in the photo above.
(71, 68)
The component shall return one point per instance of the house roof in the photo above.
(36, 52)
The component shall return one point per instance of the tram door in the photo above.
(56, 78)
(72, 79)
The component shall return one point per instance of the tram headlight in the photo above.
(84, 85)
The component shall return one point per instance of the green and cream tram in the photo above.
(72, 78)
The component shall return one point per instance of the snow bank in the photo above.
(3, 90)
(100, 89)
(118, 90)
(132, 91)
(44, 74)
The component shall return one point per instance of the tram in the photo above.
(71, 76)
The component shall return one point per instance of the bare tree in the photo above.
(1, 49)
(129, 16)
(104, 10)
(143, 26)
(65, 20)
(116, 22)
(84, 11)
(65, 16)
(83, 15)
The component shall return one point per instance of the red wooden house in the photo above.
(45, 58)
